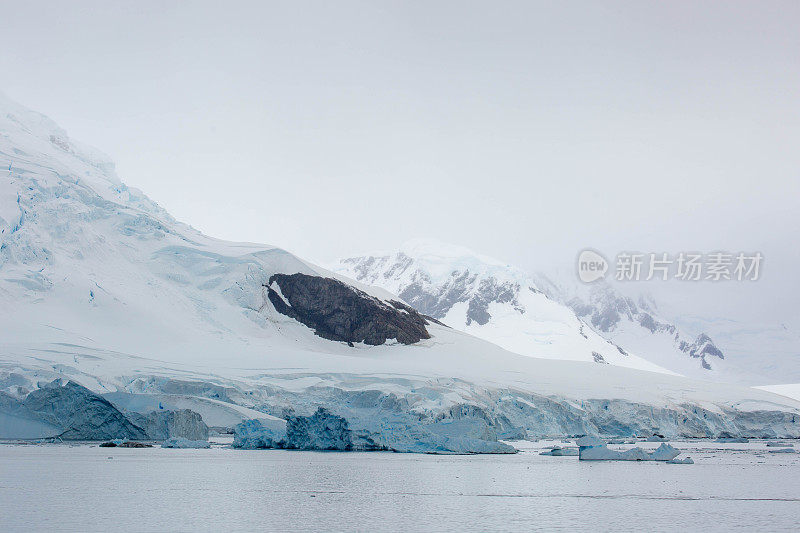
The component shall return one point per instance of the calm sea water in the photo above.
(86, 488)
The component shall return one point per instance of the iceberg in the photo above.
(558, 451)
(180, 442)
(783, 450)
(594, 449)
(684, 461)
(665, 452)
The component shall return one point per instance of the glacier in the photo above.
(69, 411)
(101, 287)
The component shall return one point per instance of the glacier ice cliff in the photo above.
(69, 411)
(325, 431)
(181, 442)
(165, 424)
(80, 413)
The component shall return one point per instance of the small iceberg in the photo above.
(782, 450)
(665, 452)
(594, 449)
(684, 461)
(558, 451)
(779, 445)
(181, 442)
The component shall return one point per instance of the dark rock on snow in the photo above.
(339, 312)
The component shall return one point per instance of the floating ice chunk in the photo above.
(684, 461)
(558, 451)
(180, 442)
(665, 452)
(783, 450)
(779, 445)
(601, 452)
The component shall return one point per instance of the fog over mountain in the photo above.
(522, 130)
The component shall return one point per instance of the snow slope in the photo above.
(100, 285)
(790, 390)
(758, 352)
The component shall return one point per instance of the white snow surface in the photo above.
(790, 390)
(100, 285)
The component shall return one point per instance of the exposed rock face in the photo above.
(436, 299)
(701, 348)
(82, 414)
(165, 424)
(339, 312)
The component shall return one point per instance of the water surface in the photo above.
(86, 488)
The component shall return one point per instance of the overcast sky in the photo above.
(527, 131)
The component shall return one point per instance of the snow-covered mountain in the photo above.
(101, 286)
(530, 314)
(637, 325)
(489, 299)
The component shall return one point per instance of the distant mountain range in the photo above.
(537, 314)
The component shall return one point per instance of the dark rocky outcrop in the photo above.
(82, 414)
(701, 348)
(461, 286)
(339, 312)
